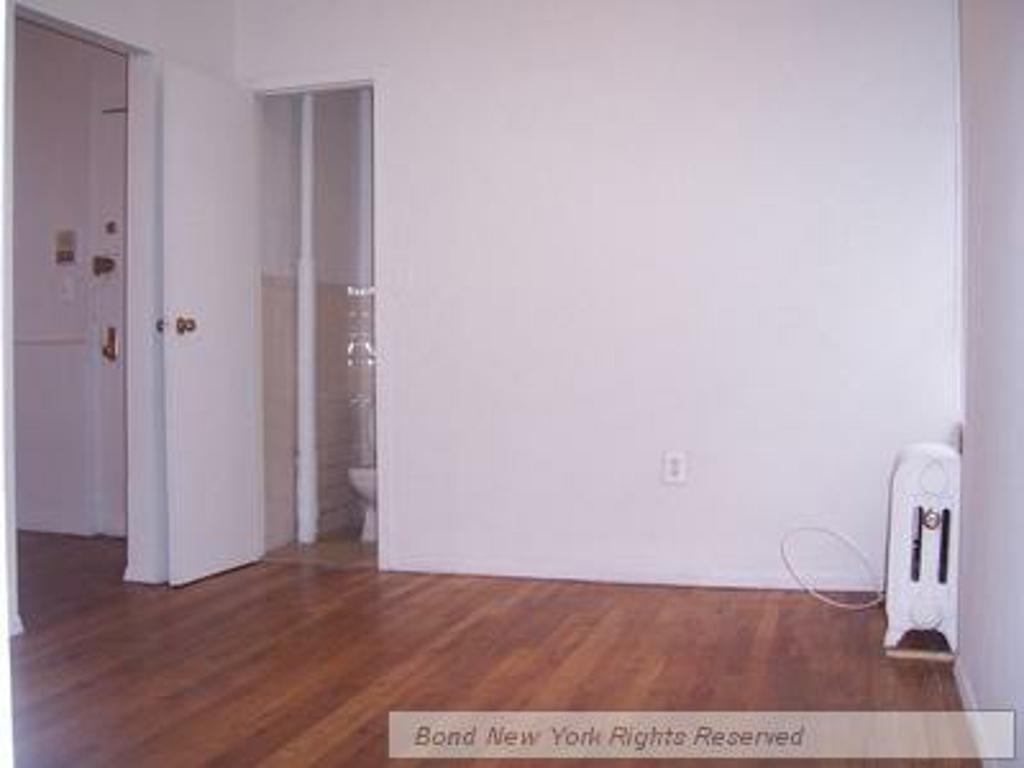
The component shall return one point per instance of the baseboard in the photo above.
(969, 698)
(136, 575)
(963, 683)
(621, 574)
(58, 530)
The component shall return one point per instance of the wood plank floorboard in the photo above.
(295, 665)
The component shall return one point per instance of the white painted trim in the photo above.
(69, 28)
(259, 461)
(8, 494)
(385, 301)
(630, 573)
(274, 86)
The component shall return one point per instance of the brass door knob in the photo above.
(185, 325)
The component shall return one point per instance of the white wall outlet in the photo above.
(673, 468)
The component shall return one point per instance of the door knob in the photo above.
(185, 325)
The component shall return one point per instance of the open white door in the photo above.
(211, 333)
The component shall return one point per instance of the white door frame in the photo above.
(144, 390)
(146, 484)
(8, 587)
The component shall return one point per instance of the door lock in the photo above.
(110, 349)
(103, 265)
(185, 325)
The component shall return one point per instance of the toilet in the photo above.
(364, 482)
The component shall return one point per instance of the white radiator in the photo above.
(924, 543)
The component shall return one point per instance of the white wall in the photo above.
(992, 627)
(65, 483)
(606, 228)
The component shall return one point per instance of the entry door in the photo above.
(107, 274)
(211, 326)
(68, 268)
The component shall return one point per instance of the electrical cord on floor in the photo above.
(879, 594)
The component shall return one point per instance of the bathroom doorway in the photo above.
(318, 326)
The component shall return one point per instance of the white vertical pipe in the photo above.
(307, 491)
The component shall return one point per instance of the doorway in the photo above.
(194, 422)
(69, 182)
(318, 318)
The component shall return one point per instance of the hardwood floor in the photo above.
(337, 549)
(294, 665)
